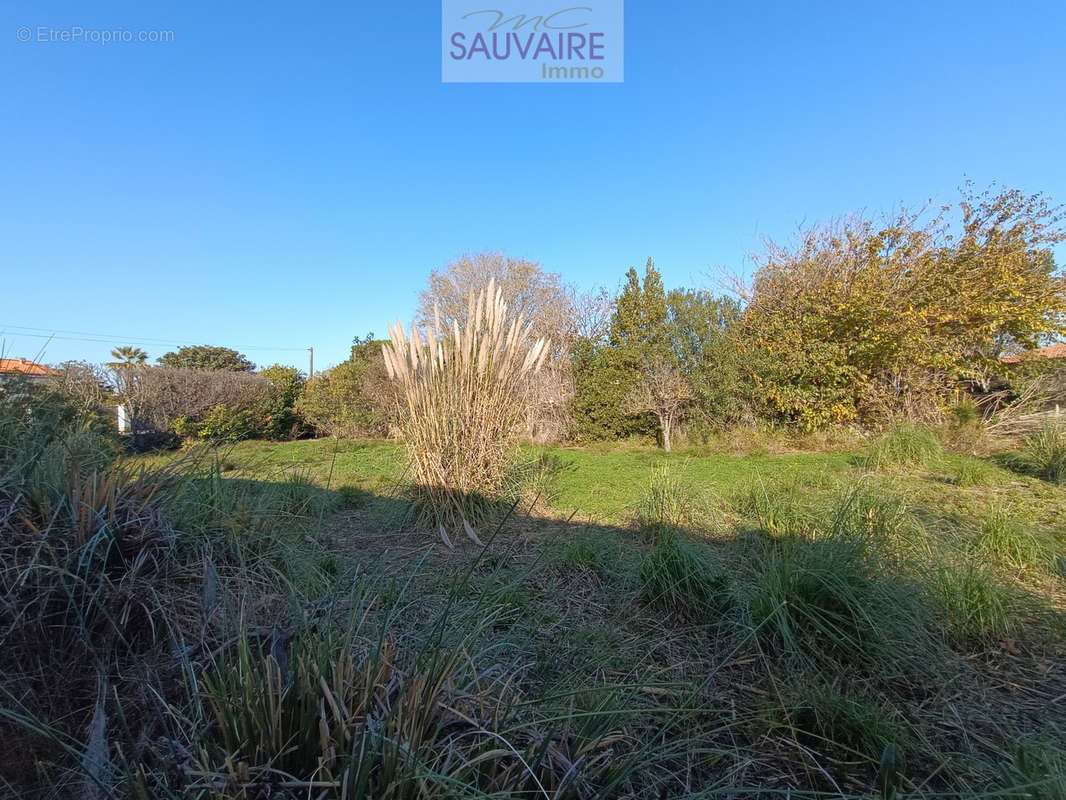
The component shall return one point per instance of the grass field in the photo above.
(887, 622)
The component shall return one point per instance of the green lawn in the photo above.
(601, 485)
(605, 485)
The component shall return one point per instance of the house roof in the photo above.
(24, 366)
(1051, 351)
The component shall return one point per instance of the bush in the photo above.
(158, 396)
(352, 399)
(683, 577)
(227, 424)
(908, 445)
(463, 404)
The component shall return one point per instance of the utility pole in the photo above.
(310, 363)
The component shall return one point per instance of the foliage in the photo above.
(205, 357)
(702, 331)
(353, 398)
(156, 397)
(860, 321)
(606, 372)
(280, 419)
(127, 356)
(227, 424)
(461, 405)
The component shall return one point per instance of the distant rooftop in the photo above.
(24, 366)
(1051, 351)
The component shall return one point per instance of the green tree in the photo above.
(207, 357)
(702, 330)
(127, 356)
(606, 372)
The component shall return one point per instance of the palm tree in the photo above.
(127, 356)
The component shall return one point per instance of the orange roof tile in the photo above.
(24, 366)
(1051, 351)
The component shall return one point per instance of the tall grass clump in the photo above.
(461, 407)
(780, 508)
(832, 601)
(682, 576)
(1045, 452)
(670, 504)
(972, 471)
(907, 444)
(1005, 538)
(979, 610)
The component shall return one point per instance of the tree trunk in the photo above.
(665, 422)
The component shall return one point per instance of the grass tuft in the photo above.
(1005, 538)
(845, 724)
(829, 601)
(979, 610)
(968, 471)
(908, 444)
(670, 504)
(1045, 452)
(683, 577)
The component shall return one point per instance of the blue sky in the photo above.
(286, 175)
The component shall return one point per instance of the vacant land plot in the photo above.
(262, 620)
(687, 626)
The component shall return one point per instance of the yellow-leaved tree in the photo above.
(859, 320)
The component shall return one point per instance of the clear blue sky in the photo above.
(285, 175)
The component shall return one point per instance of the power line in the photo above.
(103, 338)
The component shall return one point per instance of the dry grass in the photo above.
(462, 405)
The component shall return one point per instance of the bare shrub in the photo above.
(83, 383)
(463, 402)
(157, 396)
